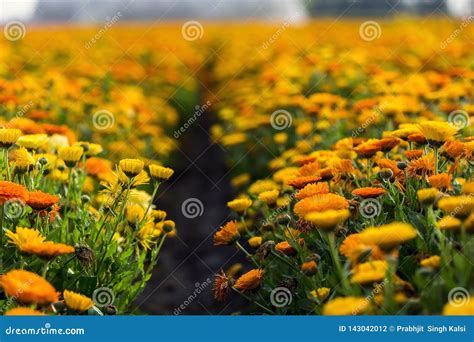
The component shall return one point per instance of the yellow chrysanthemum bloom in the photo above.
(427, 196)
(23, 236)
(158, 215)
(459, 206)
(239, 204)
(460, 307)
(32, 141)
(437, 131)
(22, 159)
(449, 223)
(388, 235)
(432, 261)
(134, 213)
(76, 301)
(321, 293)
(160, 173)
(131, 167)
(346, 306)
(9, 136)
(369, 272)
(71, 154)
(328, 219)
(269, 197)
(255, 241)
(90, 149)
(262, 185)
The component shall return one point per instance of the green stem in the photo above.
(335, 257)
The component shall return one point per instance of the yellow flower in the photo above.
(269, 197)
(131, 167)
(255, 241)
(22, 159)
(432, 261)
(459, 206)
(21, 311)
(240, 180)
(449, 223)
(239, 204)
(369, 272)
(158, 215)
(427, 196)
(32, 141)
(328, 219)
(280, 138)
(321, 293)
(134, 213)
(160, 173)
(9, 136)
(227, 234)
(233, 139)
(71, 155)
(90, 149)
(388, 235)
(437, 131)
(76, 301)
(262, 185)
(23, 236)
(459, 307)
(346, 306)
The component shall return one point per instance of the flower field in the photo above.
(349, 147)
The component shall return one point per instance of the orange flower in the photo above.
(301, 181)
(421, 167)
(249, 280)
(441, 181)
(309, 169)
(369, 148)
(313, 189)
(9, 191)
(41, 200)
(23, 312)
(227, 234)
(454, 149)
(368, 192)
(48, 249)
(413, 154)
(98, 167)
(320, 203)
(287, 249)
(28, 287)
(222, 285)
(388, 143)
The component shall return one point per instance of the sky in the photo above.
(23, 9)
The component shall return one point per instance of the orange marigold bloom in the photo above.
(9, 191)
(320, 203)
(287, 249)
(23, 312)
(441, 181)
(98, 167)
(227, 234)
(41, 200)
(309, 169)
(417, 138)
(388, 143)
(249, 280)
(48, 249)
(28, 287)
(301, 181)
(222, 284)
(313, 189)
(454, 149)
(413, 154)
(369, 148)
(421, 167)
(368, 192)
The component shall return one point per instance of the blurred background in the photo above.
(190, 261)
(98, 10)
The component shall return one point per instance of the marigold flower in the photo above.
(449, 223)
(250, 280)
(255, 241)
(160, 173)
(309, 267)
(21, 311)
(23, 236)
(421, 167)
(286, 248)
(453, 308)
(328, 219)
(321, 293)
(428, 196)
(344, 306)
(459, 206)
(227, 234)
(22, 159)
(10, 191)
(369, 192)
(9, 136)
(437, 131)
(269, 197)
(71, 155)
(262, 185)
(312, 189)
(131, 167)
(413, 154)
(134, 213)
(302, 181)
(239, 204)
(222, 285)
(41, 200)
(440, 181)
(432, 261)
(320, 202)
(47, 250)
(28, 287)
(32, 141)
(388, 235)
(76, 301)
(369, 272)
